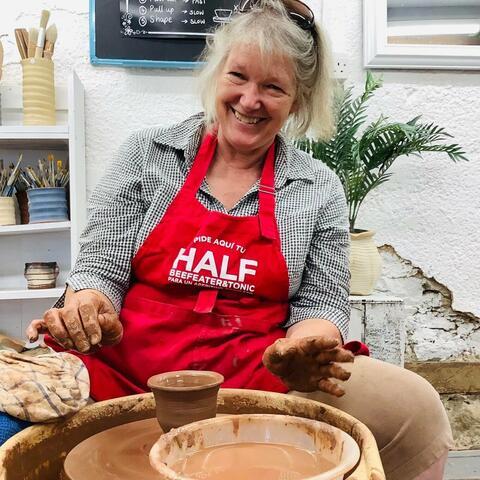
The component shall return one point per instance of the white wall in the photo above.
(429, 212)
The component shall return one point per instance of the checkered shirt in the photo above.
(151, 167)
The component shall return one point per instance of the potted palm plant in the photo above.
(362, 157)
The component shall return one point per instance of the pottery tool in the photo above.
(32, 41)
(24, 39)
(50, 39)
(24, 33)
(29, 345)
(22, 48)
(41, 33)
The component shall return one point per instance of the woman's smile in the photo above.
(246, 119)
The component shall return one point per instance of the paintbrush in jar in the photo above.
(24, 34)
(50, 39)
(43, 176)
(37, 182)
(51, 169)
(22, 48)
(32, 41)
(41, 33)
(7, 189)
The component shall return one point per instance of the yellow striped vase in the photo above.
(38, 92)
(365, 263)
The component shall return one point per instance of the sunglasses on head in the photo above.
(300, 13)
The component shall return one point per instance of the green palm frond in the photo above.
(362, 160)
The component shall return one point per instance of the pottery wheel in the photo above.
(120, 453)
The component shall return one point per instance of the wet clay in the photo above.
(308, 364)
(185, 396)
(252, 460)
(38, 453)
(120, 453)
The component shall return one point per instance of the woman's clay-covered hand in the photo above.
(86, 320)
(308, 364)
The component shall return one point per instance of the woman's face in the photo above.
(255, 96)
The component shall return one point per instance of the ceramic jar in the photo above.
(22, 201)
(7, 211)
(38, 92)
(365, 263)
(47, 205)
(185, 396)
(41, 275)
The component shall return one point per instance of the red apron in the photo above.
(209, 292)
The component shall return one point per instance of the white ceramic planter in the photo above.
(332, 443)
(7, 211)
(365, 263)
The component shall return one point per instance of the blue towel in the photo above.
(9, 426)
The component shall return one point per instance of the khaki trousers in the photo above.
(403, 411)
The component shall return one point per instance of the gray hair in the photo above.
(268, 27)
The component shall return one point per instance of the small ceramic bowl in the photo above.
(334, 445)
(185, 396)
(41, 275)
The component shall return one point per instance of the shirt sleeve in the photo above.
(115, 214)
(324, 290)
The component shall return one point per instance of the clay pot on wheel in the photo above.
(185, 396)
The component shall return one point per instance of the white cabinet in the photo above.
(42, 242)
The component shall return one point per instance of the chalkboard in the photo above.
(154, 33)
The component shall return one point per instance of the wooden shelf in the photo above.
(22, 294)
(34, 137)
(374, 298)
(35, 228)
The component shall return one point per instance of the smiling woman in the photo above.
(215, 244)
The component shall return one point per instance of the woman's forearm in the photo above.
(315, 327)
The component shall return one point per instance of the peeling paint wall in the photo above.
(435, 330)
